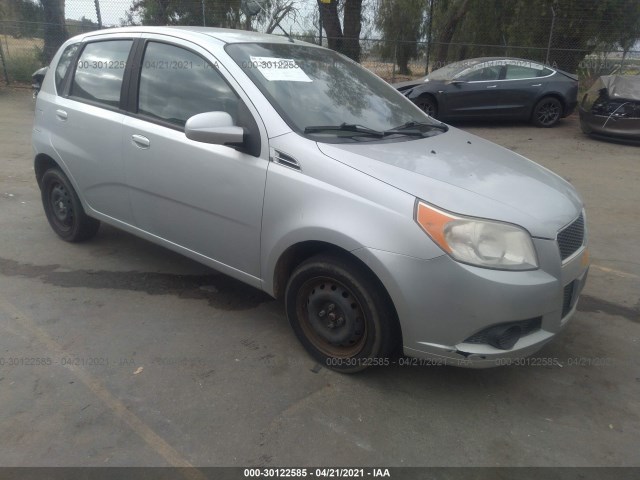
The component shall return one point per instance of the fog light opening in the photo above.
(504, 337)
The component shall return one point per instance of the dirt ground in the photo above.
(117, 352)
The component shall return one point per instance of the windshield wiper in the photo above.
(412, 127)
(344, 127)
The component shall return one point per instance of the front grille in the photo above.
(616, 108)
(566, 299)
(571, 238)
(527, 327)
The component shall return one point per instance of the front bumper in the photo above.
(627, 129)
(441, 303)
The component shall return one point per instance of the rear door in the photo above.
(202, 197)
(86, 123)
(522, 85)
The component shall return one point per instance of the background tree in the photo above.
(402, 23)
(471, 28)
(217, 13)
(76, 27)
(55, 32)
(631, 31)
(21, 18)
(345, 41)
(448, 16)
(272, 14)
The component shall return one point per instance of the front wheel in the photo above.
(63, 208)
(547, 112)
(427, 105)
(340, 314)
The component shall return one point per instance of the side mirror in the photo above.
(214, 127)
(457, 83)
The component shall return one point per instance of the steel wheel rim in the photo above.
(331, 317)
(428, 108)
(548, 113)
(61, 207)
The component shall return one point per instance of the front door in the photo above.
(205, 198)
(475, 94)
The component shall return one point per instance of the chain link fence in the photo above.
(25, 30)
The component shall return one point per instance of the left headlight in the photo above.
(480, 242)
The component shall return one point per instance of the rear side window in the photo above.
(176, 84)
(63, 65)
(517, 72)
(100, 71)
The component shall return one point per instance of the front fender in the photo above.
(331, 202)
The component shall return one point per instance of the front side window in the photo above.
(176, 84)
(484, 74)
(100, 71)
(63, 65)
(452, 70)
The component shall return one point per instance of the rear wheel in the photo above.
(342, 317)
(547, 112)
(64, 210)
(427, 105)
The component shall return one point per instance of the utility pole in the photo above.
(98, 14)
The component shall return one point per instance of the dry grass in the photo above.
(22, 56)
(385, 70)
(20, 46)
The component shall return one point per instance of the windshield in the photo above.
(314, 87)
(450, 71)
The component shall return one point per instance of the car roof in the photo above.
(489, 59)
(224, 35)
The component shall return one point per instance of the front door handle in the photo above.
(140, 141)
(61, 114)
(492, 86)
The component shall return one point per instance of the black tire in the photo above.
(64, 210)
(341, 315)
(547, 112)
(428, 105)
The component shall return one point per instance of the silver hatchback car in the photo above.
(291, 168)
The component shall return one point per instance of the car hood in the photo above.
(465, 174)
(432, 86)
(407, 84)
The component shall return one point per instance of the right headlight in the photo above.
(476, 241)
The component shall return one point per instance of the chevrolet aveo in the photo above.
(291, 168)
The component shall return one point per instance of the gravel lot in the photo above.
(117, 352)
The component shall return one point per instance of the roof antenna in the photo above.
(284, 31)
(253, 7)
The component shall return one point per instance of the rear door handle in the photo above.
(537, 85)
(140, 141)
(492, 86)
(61, 114)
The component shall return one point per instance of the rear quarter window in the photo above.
(63, 65)
(518, 72)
